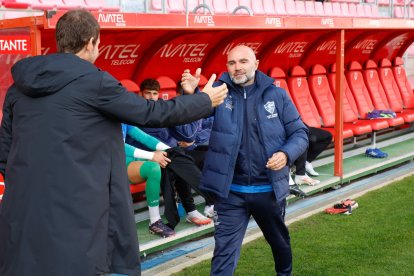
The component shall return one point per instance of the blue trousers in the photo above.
(233, 214)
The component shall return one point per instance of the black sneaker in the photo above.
(295, 190)
(161, 229)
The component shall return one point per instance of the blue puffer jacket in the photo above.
(280, 129)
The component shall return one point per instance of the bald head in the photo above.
(247, 51)
(242, 65)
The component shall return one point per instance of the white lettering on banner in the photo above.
(11, 59)
(327, 21)
(374, 22)
(119, 51)
(274, 21)
(294, 49)
(366, 45)
(397, 42)
(409, 23)
(253, 45)
(327, 46)
(197, 59)
(122, 61)
(204, 19)
(182, 50)
(45, 50)
(16, 45)
(116, 18)
(120, 54)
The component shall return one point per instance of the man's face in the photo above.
(150, 94)
(242, 65)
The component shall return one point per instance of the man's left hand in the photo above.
(277, 161)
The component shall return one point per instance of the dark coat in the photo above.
(280, 129)
(67, 206)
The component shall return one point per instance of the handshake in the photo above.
(190, 82)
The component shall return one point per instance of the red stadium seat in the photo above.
(360, 10)
(368, 10)
(345, 9)
(300, 8)
(100, 5)
(17, 4)
(130, 85)
(137, 188)
(289, 5)
(302, 98)
(401, 79)
(336, 9)
(310, 8)
(176, 6)
(257, 7)
(327, 7)
(220, 7)
(349, 105)
(392, 91)
(269, 7)
(352, 9)
(325, 102)
(375, 12)
(319, 9)
(167, 88)
(361, 94)
(374, 86)
(282, 8)
(280, 78)
(74, 4)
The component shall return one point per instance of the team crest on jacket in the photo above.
(270, 107)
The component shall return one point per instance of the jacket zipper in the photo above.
(247, 138)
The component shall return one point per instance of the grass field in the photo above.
(377, 239)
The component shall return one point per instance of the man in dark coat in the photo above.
(67, 208)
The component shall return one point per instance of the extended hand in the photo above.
(183, 144)
(277, 161)
(189, 82)
(216, 94)
(161, 158)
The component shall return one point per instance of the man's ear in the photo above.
(257, 64)
(89, 46)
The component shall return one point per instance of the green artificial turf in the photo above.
(377, 239)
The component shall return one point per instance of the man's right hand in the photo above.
(161, 158)
(216, 94)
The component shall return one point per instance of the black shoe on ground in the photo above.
(159, 228)
(295, 190)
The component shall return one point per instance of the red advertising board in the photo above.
(15, 44)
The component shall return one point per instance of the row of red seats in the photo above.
(59, 4)
(383, 87)
(270, 7)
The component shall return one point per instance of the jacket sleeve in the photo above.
(142, 137)
(115, 101)
(6, 132)
(187, 132)
(296, 131)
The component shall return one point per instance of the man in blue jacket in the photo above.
(257, 134)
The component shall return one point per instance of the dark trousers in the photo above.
(233, 214)
(182, 173)
(319, 139)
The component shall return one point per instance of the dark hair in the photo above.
(150, 84)
(74, 30)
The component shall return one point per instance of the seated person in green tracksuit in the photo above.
(145, 166)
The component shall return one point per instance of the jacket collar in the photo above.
(262, 80)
